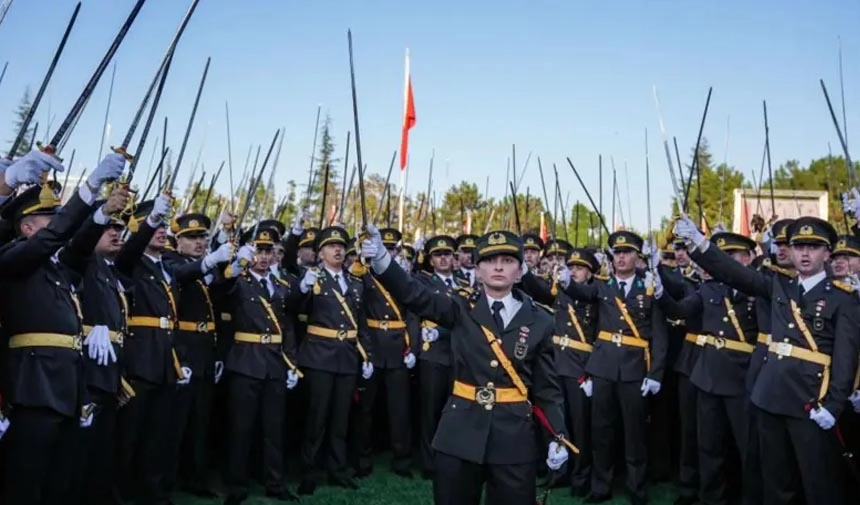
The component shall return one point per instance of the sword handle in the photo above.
(121, 150)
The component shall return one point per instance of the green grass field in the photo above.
(385, 488)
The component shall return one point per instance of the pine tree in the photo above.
(325, 156)
(21, 113)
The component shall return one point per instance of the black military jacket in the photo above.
(439, 352)
(340, 356)
(830, 311)
(388, 346)
(37, 296)
(505, 434)
(103, 302)
(149, 351)
(244, 298)
(624, 363)
(571, 316)
(718, 370)
(195, 308)
(678, 284)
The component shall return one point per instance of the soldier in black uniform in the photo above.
(41, 318)
(845, 260)
(89, 257)
(625, 366)
(435, 377)
(307, 252)
(393, 334)
(465, 266)
(725, 342)
(152, 364)
(573, 339)
(532, 247)
(259, 359)
(195, 340)
(502, 350)
(332, 353)
(807, 375)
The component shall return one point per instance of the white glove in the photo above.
(429, 334)
(403, 263)
(822, 417)
(297, 226)
(160, 208)
(246, 253)
(586, 387)
(556, 456)
(686, 229)
(292, 379)
(30, 167)
(650, 386)
(366, 370)
(110, 169)
(419, 244)
(4, 425)
(186, 376)
(309, 279)
(855, 202)
(855, 400)
(372, 247)
(86, 422)
(220, 255)
(720, 228)
(767, 235)
(564, 277)
(219, 371)
(653, 255)
(409, 361)
(99, 347)
(658, 283)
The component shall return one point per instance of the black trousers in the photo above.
(192, 412)
(800, 462)
(663, 428)
(436, 383)
(396, 384)
(578, 416)
(90, 467)
(607, 401)
(753, 476)
(460, 482)
(722, 420)
(688, 475)
(248, 400)
(330, 400)
(143, 442)
(40, 442)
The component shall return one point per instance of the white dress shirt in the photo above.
(339, 276)
(160, 263)
(512, 306)
(811, 281)
(267, 279)
(469, 273)
(628, 283)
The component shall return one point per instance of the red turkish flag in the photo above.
(408, 116)
(544, 233)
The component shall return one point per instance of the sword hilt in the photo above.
(121, 150)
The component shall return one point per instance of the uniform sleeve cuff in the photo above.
(381, 264)
(99, 216)
(86, 194)
(152, 222)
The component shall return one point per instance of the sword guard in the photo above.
(121, 150)
(48, 149)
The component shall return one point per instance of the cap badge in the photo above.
(805, 230)
(496, 239)
(335, 234)
(194, 223)
(621, 239)
(441, 243)
(265, 236)
(721, 242)
(388, 236)
(312, 235)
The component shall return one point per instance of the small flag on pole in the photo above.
(544, 233)
(408, 116)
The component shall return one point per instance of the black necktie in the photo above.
(337, 280)
(468, 276)
(621, 286)
(265, 286)
(802, 289)
(497, 316)
(449, 282)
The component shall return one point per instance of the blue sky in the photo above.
(558, 78)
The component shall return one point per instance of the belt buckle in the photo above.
(783, 349)
(701, 340)
(486, 396)
(341, 334)
(383, 325)
(719, 342)
(77, 343)
(201, 327)
(564, 342)
(164, 323)
(617, 339)
(266, 338)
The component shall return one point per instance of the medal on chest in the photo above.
(522, 345)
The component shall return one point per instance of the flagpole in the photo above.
(402, 168)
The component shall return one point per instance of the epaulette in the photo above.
(778, 269)
(282, 281)
(844, 286)
(601, 277)
(547, 308)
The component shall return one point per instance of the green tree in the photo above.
(823, 174)
(325, 179)
(21, 112)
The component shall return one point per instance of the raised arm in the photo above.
(725, 269)
(415, 295)
(538, 288)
